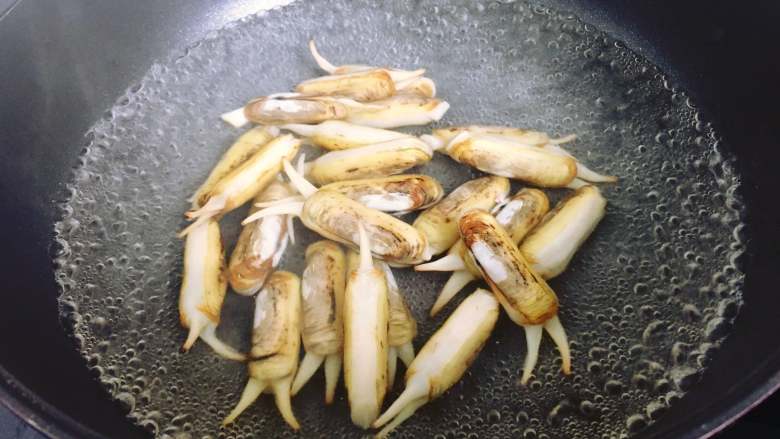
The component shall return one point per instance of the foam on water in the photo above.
(646, 301)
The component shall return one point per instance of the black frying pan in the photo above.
(64, 63)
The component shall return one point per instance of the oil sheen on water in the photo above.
(645, 302)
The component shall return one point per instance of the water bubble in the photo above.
(717, 328)
(636, 423)
(690, 312)
(126, 400)
(653, 330)
(613, 387)
(588, 409)
(684, 376)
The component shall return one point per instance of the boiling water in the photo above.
(646, 301)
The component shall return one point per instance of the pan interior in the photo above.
(646, 301)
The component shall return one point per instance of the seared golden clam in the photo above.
(473, 145)
(396, 194)
(365, 337)
(401, 78)
(420, 86)
(336, 217)
(439, 223)
(399, 111)
(322, 290)
(524, 295)
(518, 216)
(203, 289)
(370, 161)
(444, 358)
(288, 108)
(402, 327)
(362, 85)
(550, 247)
(519, 135)
(260, 245)
(336, 135)
(246, 181)
(499, 155)
(241, 150)
(276, 342)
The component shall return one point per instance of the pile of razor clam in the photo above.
(346, 305)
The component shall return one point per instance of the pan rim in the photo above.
(38, 413)
(53, 423)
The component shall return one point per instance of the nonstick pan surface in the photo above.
(151, 150)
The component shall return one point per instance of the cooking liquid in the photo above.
(645, 302)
